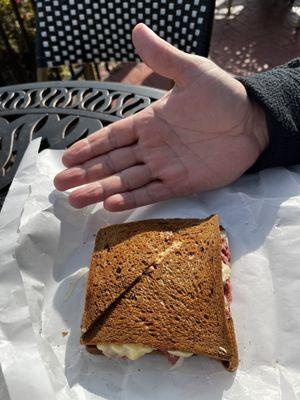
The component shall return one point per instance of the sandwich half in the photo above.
(160, 285)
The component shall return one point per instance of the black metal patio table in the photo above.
(60, 113)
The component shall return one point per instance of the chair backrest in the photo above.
(77, 31)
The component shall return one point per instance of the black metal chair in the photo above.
(84, 31)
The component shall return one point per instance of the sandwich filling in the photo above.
(226, 270)
(135, 351)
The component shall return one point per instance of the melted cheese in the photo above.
(225, 272)
(183, 354)
(131, 351)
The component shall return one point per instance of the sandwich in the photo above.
(160, 285)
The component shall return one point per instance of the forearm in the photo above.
(277, 92)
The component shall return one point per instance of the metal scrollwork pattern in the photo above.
(61, 113)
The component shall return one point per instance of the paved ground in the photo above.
(258, 35)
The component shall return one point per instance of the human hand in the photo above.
(203, 134)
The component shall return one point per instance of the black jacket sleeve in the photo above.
(278, 92)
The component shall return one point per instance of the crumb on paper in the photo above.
(64, 333)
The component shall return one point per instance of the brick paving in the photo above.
(258, 35)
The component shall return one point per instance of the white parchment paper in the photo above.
(45, 249)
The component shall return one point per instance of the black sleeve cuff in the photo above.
(278, 93)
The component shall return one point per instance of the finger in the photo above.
(121, 133)
(160, 55)
(148, 194)
(124, 181)
(98, 168)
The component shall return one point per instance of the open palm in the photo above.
(204, 133)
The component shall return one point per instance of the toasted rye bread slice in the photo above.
(159, 283)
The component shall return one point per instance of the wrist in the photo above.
(259, 126)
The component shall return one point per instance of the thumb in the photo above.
(160, 55)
